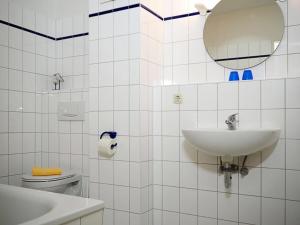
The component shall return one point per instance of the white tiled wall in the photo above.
(68, 140)
(186, 60)
(31, 134)
(187, 186)
(181, 175)
(26, 60)
(136, 64)
(119, 96)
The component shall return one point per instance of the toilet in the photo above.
(66, 183)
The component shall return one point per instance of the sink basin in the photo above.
(224, 142)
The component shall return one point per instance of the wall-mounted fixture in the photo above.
(70, 111)
(107, 145)
(232, 142)
(57, 80)
(205, 6)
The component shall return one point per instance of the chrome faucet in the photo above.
(232, 121)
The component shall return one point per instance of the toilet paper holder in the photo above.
(112, 135)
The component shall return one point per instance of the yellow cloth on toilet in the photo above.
(36, 171)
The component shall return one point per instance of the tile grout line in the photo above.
(8, 114)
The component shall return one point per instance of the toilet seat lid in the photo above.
(64, 175)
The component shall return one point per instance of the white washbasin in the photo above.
(224, 142)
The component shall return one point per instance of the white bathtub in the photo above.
(32, 207)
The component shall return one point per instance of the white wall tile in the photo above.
(15, 59)
(292, 91)
(274, 119)
(293, 17)
(3, 56)
(4, 10)
(168, 125)
(15, 38)
(121, 48)
(249, 209)
(121, 23)
(272, 99)
(207, 177)
(227, 206)
(121, 173)
(188, 201)
(197, 73)
(251, 184)
(180, 53)
(15, 164)
(188, 120)
(121, 122)
(292, 215)
(249, 95)
(171, 173)
(171, 198)
(180, 30)
(106, 47)
(274, 156)
(206, 221)
(197, 51)
(292, 154)
(106, 192)
(273, 183)
(3, 78)
(170, 218)
(228, 96)
(276, 66)
(121, 198)
(121, 98)
(273, 211)
(292, 123)
(187, 173)
(170, 147)
(207, 204)
(207, 119)
(249, 118)
(180, 74)
(293, 66)
(292, 185)
(207, 97)
(4, 165)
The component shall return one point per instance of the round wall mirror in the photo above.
(240, 34)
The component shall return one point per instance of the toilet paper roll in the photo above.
(104, 147)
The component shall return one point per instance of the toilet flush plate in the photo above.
(70, 111)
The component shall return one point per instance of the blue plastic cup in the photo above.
(247, 75)
(234, 75)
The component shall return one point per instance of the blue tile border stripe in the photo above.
(115, 10)
(72, 36)
(99, 14)
(181, 16)
(27, 30)
(40, 34)
(145, 8)
(152, 12)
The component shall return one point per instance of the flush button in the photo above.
(178, 99)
